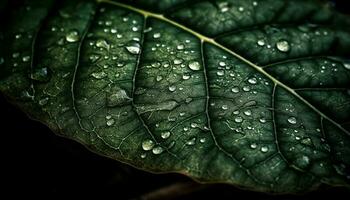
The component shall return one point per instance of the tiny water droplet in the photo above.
(261, 42)
(248, 112)
(72, 36)
(283, 46)
(172, 88)
(292, 120)
(147, 145)
(347, 65)
(180, 47)
(186, 76)
(246, 88)
(26, 59)
(143, 155)
(156, 35)
(224, 107)
(262, 120)
(220, 73)
(302, 161)
(191, 141)
(238, 119)
(2, 60)
(101, 43)
(165, 134)
(202, 140)
(159, 78)
(222, 64)
(99, 75)
(40, 74)
(264, 149)
(194, 66)
(235, 90)
(157, 150)
(43, 101)
(178, 61)
(110, 122)
(253, 146)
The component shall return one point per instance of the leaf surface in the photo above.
(252, 93)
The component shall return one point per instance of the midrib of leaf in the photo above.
(212, 41)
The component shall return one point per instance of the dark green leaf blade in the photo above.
(251, 93)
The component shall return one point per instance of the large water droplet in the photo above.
(292, 120)
(147, 145)
(191, 141)
(194, 66)
(134, 48)
(283, 46)
(72, 36)
(165, 134)
(167, 105)
(157, 150)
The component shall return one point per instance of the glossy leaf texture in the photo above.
(251, 93)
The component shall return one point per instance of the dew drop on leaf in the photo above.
(157, 150)
(72, 36)
(292, 120)
(195, 66)
(283, 46)
(147, 145)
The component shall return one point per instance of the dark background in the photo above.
(35, 162)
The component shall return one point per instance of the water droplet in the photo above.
(15, 55)
(224, 107)
(255, 3)
(264, 149)
(172, 88)
(186, 76)
(253, 146)
(99, 75)
(222, 64)
(178, 61)
(248, 112)
(194, 66)
(235, 90)
(347, 65)
(241, 9)
(283, 46)
(135, 29)
(238, 119)
(110, 122)
(101, 43)
(180, 47)
(159, 78)
(261, 42)
(262, 120)
(147, 145)
(2, 60)
(26, 59)
(220, 73)
(157, 150)
(143, 156)
(167, 105)
(117, 97)
(223, 7)
(202, 140)
(191, 141)
(72, 36)
(292, 120)
(165, 134)
(252, 80)
(134, 48)
(246, 88)
(156, 35)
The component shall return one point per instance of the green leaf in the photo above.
(251, 93)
